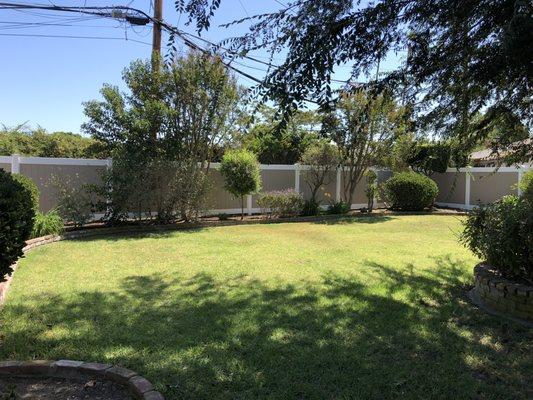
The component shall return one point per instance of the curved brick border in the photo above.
(139, 387)
(501, 296)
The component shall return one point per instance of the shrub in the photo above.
(281, 203)
(526, 186)
(75, 203)
(223, 217)
(502, 234)
(310, 208)
(339, 207)
(410, 191)
(31, 187)
(17, 212)
(240, 171)
(322, 158)
(49, 223)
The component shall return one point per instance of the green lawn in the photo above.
(371, 308)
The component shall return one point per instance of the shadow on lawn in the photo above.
(241, 338)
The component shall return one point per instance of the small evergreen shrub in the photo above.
(241, 174)
(281, 203)
(526, 186)
(311, 207)
(339, 207)
(17, 212)
(31, 187)
(410, 191)
(49, 223)
(502, 234)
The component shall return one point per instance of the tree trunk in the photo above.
(242, 208)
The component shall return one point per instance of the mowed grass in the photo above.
(366, 308)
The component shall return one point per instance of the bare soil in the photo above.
(60, 389)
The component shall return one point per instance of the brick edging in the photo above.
(502, 296)
(135, 384)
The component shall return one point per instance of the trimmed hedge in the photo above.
(31, 187)
(17, 212)
(409, 191)
(281, 203)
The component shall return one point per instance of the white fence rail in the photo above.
(461, 188)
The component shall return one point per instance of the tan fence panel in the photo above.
(274, 179)
(76, 175)
(451, 187)
(359, 197)
(5, 167)
(488, 187)
(326, 194)
(219, 198)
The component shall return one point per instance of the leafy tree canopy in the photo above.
(39, 143)
(280, 146)
(462, 57)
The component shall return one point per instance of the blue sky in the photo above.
(44, 80)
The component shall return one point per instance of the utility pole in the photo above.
(156, 38)
(156, 50)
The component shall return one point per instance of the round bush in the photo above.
(410, 191)
(17, 212)
(502, 234)
(31, 187)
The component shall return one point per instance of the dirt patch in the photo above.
(60, 389)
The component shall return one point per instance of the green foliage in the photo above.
(471, 55)
(17, 213)
(280, 144)
(371, 188)
(49, 223)
(502, 234)
(281, 203)
(240, 171)
(31, 187)
(430, 157)
(163, 134)
(311, 207)
(339, 207)
(322, 159)
(409, 191)
(526, 186)
(39, 143)
(223, 217)
(75, 204)
(363, 127)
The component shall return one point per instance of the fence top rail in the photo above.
(215, 165)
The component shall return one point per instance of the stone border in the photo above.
(79, 371)
(501, 296)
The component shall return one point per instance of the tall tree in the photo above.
(462, 56)
(363, 127)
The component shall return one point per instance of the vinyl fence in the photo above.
(463, 188)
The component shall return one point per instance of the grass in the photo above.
(371, 308)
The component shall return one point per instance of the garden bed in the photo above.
(72, 380)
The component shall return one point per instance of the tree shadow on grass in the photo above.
(204, 337)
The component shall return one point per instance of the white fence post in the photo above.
(297, 178)
(338, 186)
(467, 188)
(15, 164)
